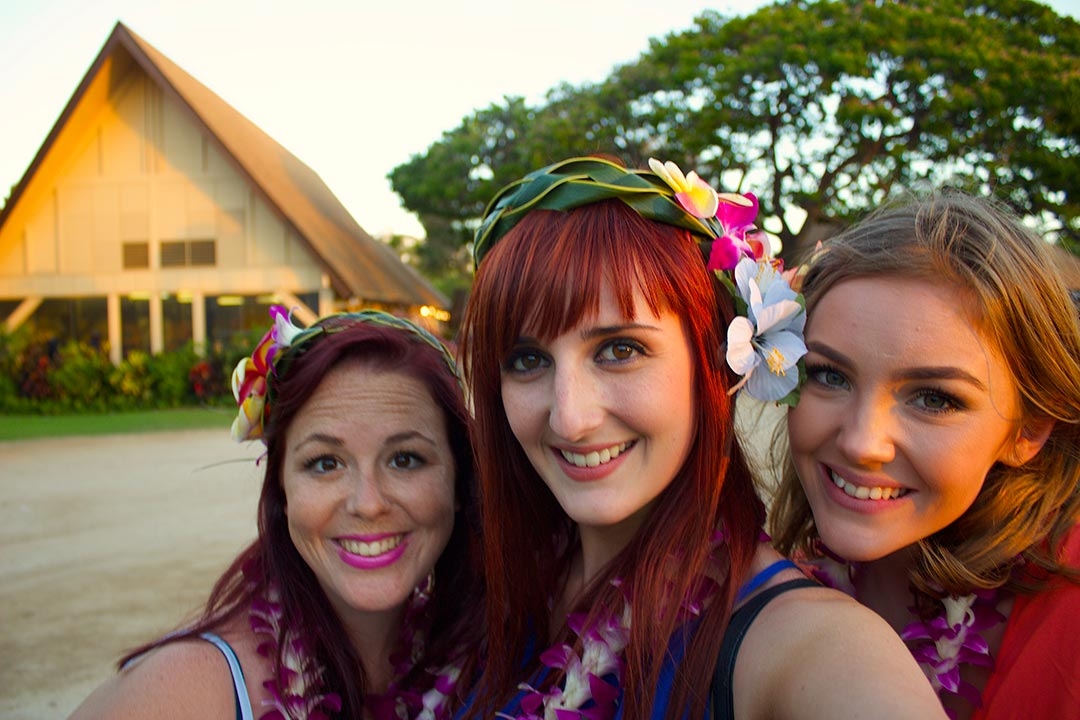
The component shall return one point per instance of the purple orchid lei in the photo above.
(297, 692)
(593, 678)
(941, 644)
(590, 690)
(401, 703)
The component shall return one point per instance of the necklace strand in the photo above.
(298, 692)
(942, 644)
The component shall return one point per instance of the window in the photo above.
(188, 253)
(136, 255)
(202, 253)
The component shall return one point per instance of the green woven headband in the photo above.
(284, 343)
(577, 182)
(342, 321)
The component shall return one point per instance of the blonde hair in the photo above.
(1024, 307)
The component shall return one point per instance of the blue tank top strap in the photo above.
(243, 702)
(763, 577)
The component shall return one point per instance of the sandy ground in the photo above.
(106, 542)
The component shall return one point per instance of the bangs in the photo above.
(544, 274)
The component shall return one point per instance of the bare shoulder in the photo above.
(817, 653)
(180, 680)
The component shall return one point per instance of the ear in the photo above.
(1030, 440)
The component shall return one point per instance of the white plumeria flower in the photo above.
(765, 346)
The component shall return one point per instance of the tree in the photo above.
(449, 186)
(824, 109)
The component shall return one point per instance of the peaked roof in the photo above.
(358, 265)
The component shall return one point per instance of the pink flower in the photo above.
(737, 237)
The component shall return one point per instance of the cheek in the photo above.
(518, 407)
(799, 425)
(433, 506)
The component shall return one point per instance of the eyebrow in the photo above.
(338, 442)
(593, 332)
(928, 372)
(605, 330)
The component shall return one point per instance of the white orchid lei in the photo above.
(592, 680)
(765, 343)
(942, 644)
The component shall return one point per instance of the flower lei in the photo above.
(399, 703)
(297, 691)
(941, 644)
(592, 680)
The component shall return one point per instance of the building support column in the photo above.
(116, 349)
(157, 330)
(198, 323)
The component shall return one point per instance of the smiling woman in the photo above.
(334, 609)
(934, 471)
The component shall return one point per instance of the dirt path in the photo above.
(106, 542)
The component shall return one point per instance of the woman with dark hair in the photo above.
(622, 529)
(356, 599)
(934, 469)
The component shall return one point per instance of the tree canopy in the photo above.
(824, 109)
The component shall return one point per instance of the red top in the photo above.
(1037, 670)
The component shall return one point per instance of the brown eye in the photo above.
(405, 461)
(524, 361)
(619, 351)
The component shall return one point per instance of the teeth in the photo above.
(595, 458)
(866, 493)
(371, 549)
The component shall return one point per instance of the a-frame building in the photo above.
(154, 214)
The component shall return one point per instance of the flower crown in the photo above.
(284, 342)
(765, 342)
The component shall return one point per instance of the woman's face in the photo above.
(604, 412)
(369, 486)
(906, 409)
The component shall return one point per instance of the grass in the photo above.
(25, 427)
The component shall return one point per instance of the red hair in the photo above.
(546, 274)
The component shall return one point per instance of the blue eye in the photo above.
(826, 376)
(936, 401)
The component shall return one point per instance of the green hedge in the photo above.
(47, 378)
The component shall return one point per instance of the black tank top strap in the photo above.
(722, 692)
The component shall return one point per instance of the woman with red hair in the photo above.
(624, 557)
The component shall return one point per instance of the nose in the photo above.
(867, 432)
(366, 497)
(576, 406)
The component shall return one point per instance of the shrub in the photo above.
(80, 377)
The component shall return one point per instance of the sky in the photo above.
(353, 88)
